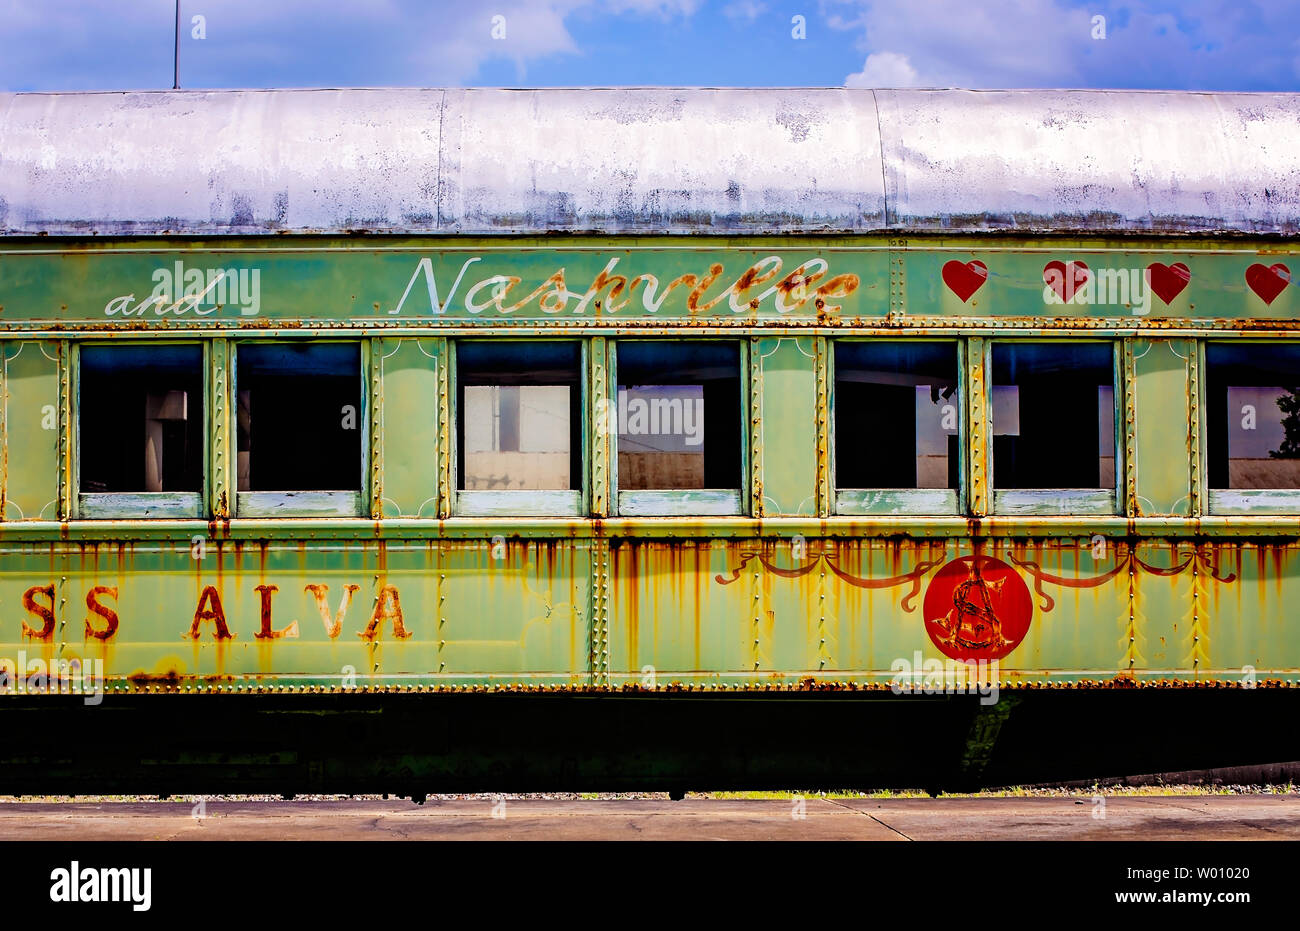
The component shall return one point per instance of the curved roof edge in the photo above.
(648, 161)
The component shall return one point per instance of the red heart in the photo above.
(1268, 281)
(965, 278)
(1168, 281)
(1066, 280)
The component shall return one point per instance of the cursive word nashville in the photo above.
(745, 293)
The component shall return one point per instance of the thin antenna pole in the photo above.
(176, 55)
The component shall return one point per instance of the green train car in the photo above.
(424, 440)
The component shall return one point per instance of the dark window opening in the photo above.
(520, 418)
(299, 417)
(679, 415)
(896, 415)
(1053, 415)
(1252, 395)
(141, 419)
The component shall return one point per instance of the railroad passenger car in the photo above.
(429, 440)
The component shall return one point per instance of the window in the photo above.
(897, 416)
(141, 435)
(680, 436)
(1252, 420)
(300, 430)
(1053, 423)
(519, 428)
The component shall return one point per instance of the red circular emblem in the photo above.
(977, 607)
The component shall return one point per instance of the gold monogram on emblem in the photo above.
(972, 623)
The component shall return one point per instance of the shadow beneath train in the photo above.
(413, 744)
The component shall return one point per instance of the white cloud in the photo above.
(748, 10)
(958, 43)
(884, 69)
(1195, 44)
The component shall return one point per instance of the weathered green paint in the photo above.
(1254, 500)
(702, 502)
(977, 470)
(469, 282)
(340, 283)
(299, 503)
(141, 504)
(1230, 528)
(446, 356)
(487, 611)
(513, 503)
(825, 451)
(534, 630)
(1068, 501)
(67, 476)
(786, 392)
(408, 429)
(31, 425)
(1163, 386)
(222, 446)
(373, 405)
(748, 586)
(919, 501)
(1016, 287)
(601, 392)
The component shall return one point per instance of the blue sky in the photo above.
(127, 44)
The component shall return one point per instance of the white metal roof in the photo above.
(653, 160)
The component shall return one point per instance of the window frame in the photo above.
(684, 502)
(1061, 502)
(139, 505)
(324, 503)
(1224, 502)
(556, 502)
(920, 502)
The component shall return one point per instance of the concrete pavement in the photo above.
(1233, 817)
